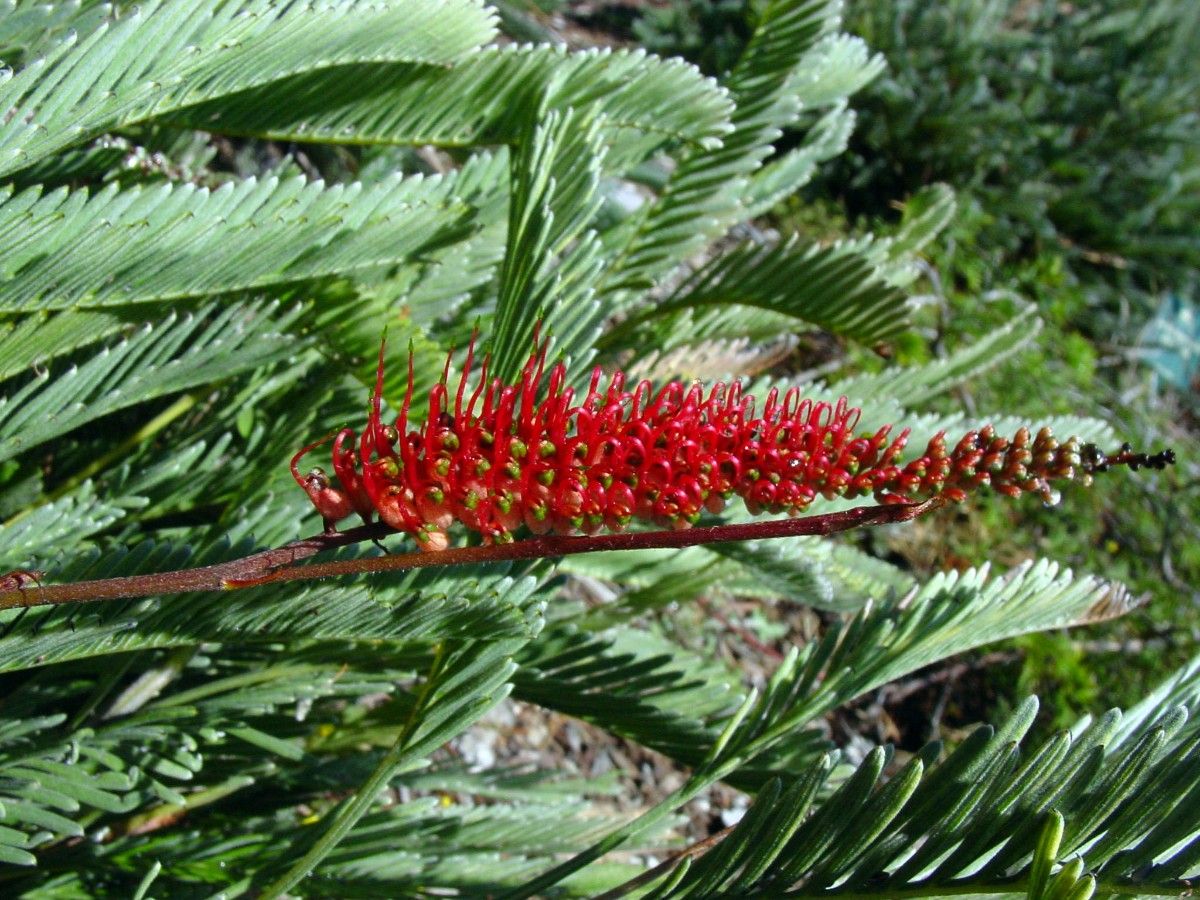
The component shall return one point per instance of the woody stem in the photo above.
(280, 564)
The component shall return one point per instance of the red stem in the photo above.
(279, 564)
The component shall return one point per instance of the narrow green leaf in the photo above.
(789, 814)
(1045, 855)
(16, 857)
(147, 880)
(822, 830)
(717, 867)
(270, 743)
(1065, 881)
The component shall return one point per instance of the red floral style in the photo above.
(499, 456)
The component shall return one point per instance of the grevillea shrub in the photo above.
(212, 210)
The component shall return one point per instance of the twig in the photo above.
(280, 564)
(694, 851)
(750, 640)
(204, 578)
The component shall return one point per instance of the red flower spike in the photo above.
(496, 457)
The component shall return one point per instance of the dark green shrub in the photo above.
(1074, 126)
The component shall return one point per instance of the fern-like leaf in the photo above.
(164, 55)
(484, 99)
(824, 286)
(174, 356)
(176, 241)
(982, 820)
(549, 263)
(703, 197)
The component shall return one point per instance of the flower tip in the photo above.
(1093, 459)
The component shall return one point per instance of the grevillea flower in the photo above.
(497, 457)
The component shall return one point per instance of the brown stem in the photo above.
(695, 851)
(279, 564)
(750, 640)
(22, 589)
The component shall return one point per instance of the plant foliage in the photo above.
(210, 213)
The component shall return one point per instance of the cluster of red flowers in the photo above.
(501, 456)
